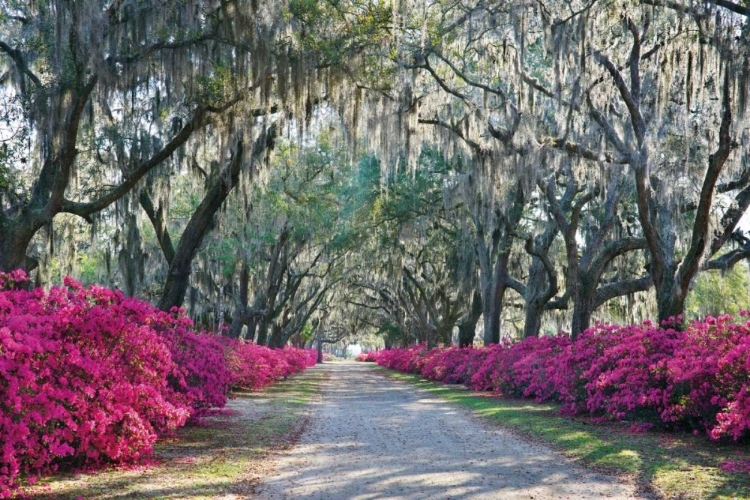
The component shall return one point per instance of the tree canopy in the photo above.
(426, 171)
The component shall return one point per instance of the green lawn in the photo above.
(671, 465)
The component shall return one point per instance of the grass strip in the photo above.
(670, 465)
(224, 456)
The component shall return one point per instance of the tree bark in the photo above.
(495, 275)
(16, 238)
(584, 304)
(671, 274)
(178, 276)
(263, 331)
(235, 329)
(670, 297)
(489, 309)
(47, 196)
(493, 307)
(532, 320)
(534, 303)
(201, 222)
(276, 340)
(467, 326)
(320, 348)
(542, 282)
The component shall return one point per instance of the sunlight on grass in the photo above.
(672, 465)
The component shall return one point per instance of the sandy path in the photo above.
(372, 437)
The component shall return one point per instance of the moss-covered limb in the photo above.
(669, 465)
(226, 454)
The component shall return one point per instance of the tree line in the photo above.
(306, 168)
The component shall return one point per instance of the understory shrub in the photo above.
(254, 366)
(693, 379)
(368, 357)
(90, 377)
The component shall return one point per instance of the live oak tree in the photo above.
(545, 81)
(292, 243)
(97, 94)
(493, 239)
(590, 247)
(552, 158)
(417, 275)
(180, 257)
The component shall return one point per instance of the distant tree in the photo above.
(718, 292)
(292, 243)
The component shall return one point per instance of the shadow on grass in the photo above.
(670, 465)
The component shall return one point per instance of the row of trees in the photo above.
(141, 119)
(300, 168)
(622, 128)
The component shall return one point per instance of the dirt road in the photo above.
(373, 437)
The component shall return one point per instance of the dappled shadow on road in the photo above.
(372, 437)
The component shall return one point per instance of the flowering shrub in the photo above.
(254, 366)
(617, 371)
(451, 366)
(710, 371)
(90, 377)
(407, 360)
(368, 357)
(201, 376)
(82, 383)
(534, 368)
(697, 378)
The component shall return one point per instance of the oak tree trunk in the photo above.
(15, 240)
(468, 324)
(201, 222)
(263, 331)
(235, 329)
(493, 304)
(584, 304)
(534, 298)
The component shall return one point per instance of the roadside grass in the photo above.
(680, 466)
(224, 457)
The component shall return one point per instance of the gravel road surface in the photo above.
(372, 437)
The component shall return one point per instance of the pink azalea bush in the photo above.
(615, 371)
(89, 377)
(201, 375)
(407, 360)
(452, 366)
(254, 366)
(710, 371)
(368, 357)
(695, 379)
(82, 383)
